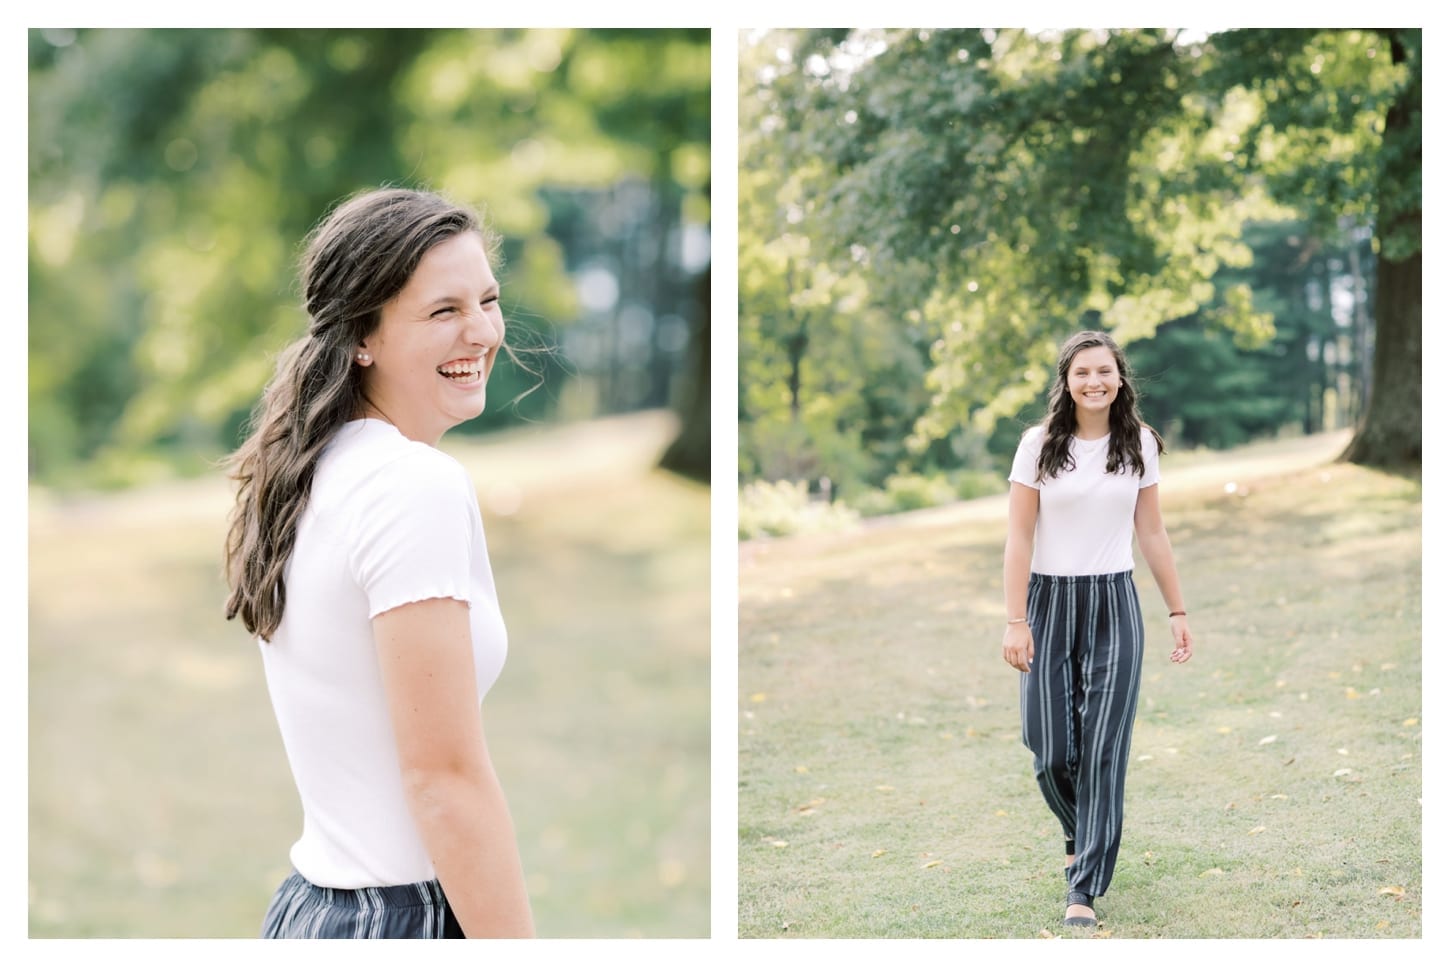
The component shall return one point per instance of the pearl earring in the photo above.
(363, 357)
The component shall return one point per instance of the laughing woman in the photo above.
(1083, 483)
(356, 556)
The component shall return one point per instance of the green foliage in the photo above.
(173, 174)
(984, 193)
(785, 507)
(915, 491)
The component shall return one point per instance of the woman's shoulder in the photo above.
(374, 457)
(1032, 436)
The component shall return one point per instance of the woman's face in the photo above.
(437, 342)
(1093, 379)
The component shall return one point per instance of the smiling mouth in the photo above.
(462, 373)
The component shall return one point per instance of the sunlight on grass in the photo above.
(160, 801)
(1275, 783)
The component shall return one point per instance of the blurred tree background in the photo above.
(926, 214)
(173, 173)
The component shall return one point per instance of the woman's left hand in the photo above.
(1182, 639)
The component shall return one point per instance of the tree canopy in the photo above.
(982, 194)
(174, 172)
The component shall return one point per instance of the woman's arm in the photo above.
(1017, 644)
(426, 655)
(1158, 552)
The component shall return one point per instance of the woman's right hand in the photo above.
(1017, 646)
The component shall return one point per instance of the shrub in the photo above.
(775, 509)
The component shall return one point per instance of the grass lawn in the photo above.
(160, 800)
(1276, 778)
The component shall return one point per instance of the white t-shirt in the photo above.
(389, 521)
(1085, 515)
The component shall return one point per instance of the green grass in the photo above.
(1276, 782)
(160, 801)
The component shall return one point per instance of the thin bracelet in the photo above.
(1016, 621)
(1174, 614)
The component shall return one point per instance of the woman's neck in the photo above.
(1092, 426)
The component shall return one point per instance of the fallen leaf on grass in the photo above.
(758, 697)
(1267, 739)
(802, 769)
(927, 866)
(1213, 872)
(1342, 772)
(885, 788)
(1145, 758)
(1349, 692)
(779, 843)
(1383, 924)
(1409, 722)
(880, 852)
(1342, 751)
(1046, 934)
(1257, 830)
(1394, 891)
(1278, 795)
(1000, 812)
(1224, 730)
(810, 807)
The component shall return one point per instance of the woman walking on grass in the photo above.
(1084, 482)
(356, 556)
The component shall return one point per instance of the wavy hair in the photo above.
(355, 261)
(1125, 424)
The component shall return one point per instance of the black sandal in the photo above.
(1081, 899)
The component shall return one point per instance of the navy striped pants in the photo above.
(1078, 703)
(302, 910)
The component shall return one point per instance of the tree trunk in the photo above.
(1388, 434)
(689, 454)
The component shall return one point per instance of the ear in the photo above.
(363, 356)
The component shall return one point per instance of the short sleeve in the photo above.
(412, 538)
(1024, 463)
(1150, 459)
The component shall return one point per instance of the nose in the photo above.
(485, 328)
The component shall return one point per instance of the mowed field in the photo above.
(1275, 784)
(160, 804)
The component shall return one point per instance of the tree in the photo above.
(1041, 180)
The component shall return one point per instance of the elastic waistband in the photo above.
(426, 893)
(1117, 577)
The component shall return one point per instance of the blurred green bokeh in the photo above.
(173, 174)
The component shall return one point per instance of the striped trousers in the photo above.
(1078, 703)
(302, 910)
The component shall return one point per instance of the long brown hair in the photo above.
(1125, 424)
(356, 260)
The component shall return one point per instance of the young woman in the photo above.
(1083, 483)
(356, 556)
